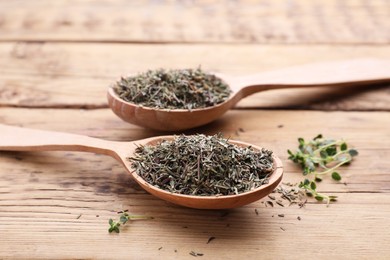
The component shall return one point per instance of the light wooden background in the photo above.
(57, 59)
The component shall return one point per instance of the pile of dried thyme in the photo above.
(173, 89)
(203, 166)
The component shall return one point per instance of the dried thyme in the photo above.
(210, 239)
(173, 89)
(193, 253)
(203, 166)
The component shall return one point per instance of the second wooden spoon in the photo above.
(22, 139)
(339, 73)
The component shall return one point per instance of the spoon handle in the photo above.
(339, 73)
(24, 139)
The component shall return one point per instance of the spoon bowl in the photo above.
(166, 119)
(336, 74)
(23, 139)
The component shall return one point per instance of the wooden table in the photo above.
(57, 59)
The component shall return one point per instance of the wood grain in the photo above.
(56, 60)
(77, 75)
(243, 21)
(63, 200)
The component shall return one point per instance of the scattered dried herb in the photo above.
(123, 219)
(203, 166)
(173, 89)
(290, 192)
(195, 254)
(210, 239)
(319, 157)
(302, 203)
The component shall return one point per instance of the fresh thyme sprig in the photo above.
(319, 157)
(311, 190)
(123, 219)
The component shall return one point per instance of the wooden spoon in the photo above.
(23, 139)
(340, 73)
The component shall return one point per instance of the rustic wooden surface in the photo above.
(263, 21)
(77, 75)
(56, 60)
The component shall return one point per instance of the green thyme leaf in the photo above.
(309, 193)
(332, 150)
(114, 226)
(336, 176)
(123, 218)
(323, 154)
(353, 152)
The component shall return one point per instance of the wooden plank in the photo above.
(243, 21)
(77, 75)
(57, 204)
